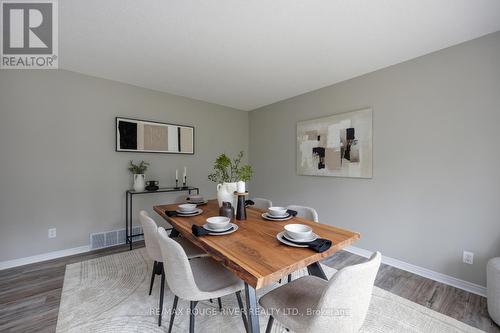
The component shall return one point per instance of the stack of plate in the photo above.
(277, 214)
(188, 210)
(220, 225)
(298, 235)
(196, 199)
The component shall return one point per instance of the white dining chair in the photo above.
(307, 213)
(338, 305)
(150, 230)
(262, 203)
(196, 280)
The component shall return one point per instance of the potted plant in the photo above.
(226, 173)
(138, 171)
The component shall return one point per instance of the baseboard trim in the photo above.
(427, 273)
(43, 257)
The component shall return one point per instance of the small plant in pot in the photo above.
(138, 171)
(226, 173)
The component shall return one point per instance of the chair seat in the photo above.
(213, 279)
(301, 294)
(192, 251)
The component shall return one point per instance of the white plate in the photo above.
(193, 213)
(270, 218)
(229, 226)
(235, 227)
(284, 241)
(306, 240)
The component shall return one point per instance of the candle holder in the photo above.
(241, 210)
(184, 183)
(177, 184)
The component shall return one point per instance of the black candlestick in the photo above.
(241, 210)
(176, 183)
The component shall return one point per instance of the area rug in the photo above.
(110, 294)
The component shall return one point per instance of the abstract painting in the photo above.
(339, 145)
(134, 135)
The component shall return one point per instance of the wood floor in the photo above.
(30, 295)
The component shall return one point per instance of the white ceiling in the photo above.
(247, 54)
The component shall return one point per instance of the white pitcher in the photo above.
(225, 192)
(139, 182)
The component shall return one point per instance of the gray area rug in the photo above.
(110, 294)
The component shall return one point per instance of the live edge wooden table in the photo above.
(253, 253)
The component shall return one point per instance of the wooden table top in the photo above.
(253, 252)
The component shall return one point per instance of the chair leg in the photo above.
(162, 289)
(191, 316)
(153, 274)
(242, 309)
(220, 303)
(269, 324)
(172, 316)
(289, 278)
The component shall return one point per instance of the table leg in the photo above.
(126, 218)
(316, 270)
(252, 309)
(130, 221)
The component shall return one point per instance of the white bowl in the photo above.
(277, 211)
(218, 222)
(187, 208)
(298, 231)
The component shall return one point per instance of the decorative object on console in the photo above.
(133, 135)
(138, 171)
(338, 145)
(227, 210)
(184, 178)
(226, 173)
(241, 210)
(152, 185)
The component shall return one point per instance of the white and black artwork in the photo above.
(134, 135)
(338, 145)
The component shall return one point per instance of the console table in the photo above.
(128, 207)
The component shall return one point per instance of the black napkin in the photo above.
(319, 245)
(291, 212)
(171, 213)
(200, 231)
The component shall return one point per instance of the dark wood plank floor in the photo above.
(30, 295)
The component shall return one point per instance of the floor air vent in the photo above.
(99, 240)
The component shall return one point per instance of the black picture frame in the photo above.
(118, 147)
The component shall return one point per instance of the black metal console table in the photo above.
(128, 207)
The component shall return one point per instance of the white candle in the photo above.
(184, 172)
(240, 186)
(176, 175)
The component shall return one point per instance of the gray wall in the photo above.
(58, 167)
(436, 177)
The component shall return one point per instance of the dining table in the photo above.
(253, 251)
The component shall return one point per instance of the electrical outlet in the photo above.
(468, 257)
(52, 233)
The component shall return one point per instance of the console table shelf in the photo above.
(129, 194)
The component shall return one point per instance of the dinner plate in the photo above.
(232, 229)
(307, 240)
(193, 213)
(283, 240)
(199, 203)
(271, 218)
(229, 226)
